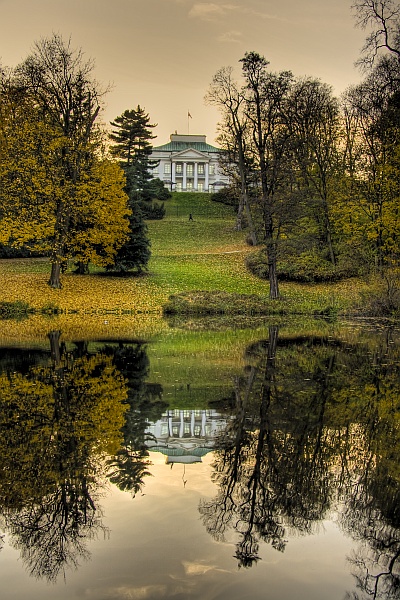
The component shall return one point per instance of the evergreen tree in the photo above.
(135, 253)
(131, 135)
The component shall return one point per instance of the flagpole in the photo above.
(189, 116)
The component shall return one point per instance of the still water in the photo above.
(259, 463)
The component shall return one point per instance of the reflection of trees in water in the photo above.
(315, 426)
(372, 508)
(372, 511)
(376, 562)
(52, 534)
(130, 465)
(270, 464)
(59, 419)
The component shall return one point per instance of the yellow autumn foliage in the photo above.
(77, 404)
(101, 224)
(39, 201)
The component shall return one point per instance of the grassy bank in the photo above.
(204, 254)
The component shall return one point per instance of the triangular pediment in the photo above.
(190, 154)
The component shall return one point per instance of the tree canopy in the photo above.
(58, 191)
(131, 136)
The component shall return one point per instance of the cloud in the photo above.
(199, 568)
(145, 592)
(232, 37)
(207, 11)
(210, 11)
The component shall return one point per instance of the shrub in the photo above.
(14, 310)
(152, 210)
(199, 302)
(227, 195)
(305, 267)
(384, 299)
(155, 190)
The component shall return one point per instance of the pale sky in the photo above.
(162, 54)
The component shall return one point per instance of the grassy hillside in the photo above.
(203, 254)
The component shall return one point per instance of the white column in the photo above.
(203, 423)
(170, 424)
(195, 176)
(173, 172)
(182, 425)
(192, 423)
(184, 177)
(207, 175)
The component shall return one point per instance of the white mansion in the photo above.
(188, 164)
(185, 436)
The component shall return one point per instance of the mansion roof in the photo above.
(179, 146)
(180, 142)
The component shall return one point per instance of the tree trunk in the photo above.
(239, 215)
(270, 247)
(252, 233)
(273, 277)
(82, 268)
(245, 208)
(60, 234)
(330, 248)
(55, 281)
(54, 337)
(244, 196)
(327, 226)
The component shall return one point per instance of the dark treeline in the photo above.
(317, 178)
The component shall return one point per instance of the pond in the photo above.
(205, 462)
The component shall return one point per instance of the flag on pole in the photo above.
(189, 115)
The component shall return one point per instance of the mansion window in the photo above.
(189, 186)
(178, 186)
(200, 169)
(167, 168)
(189, 170)
(200, 187)
(179, 168)
(212, 169)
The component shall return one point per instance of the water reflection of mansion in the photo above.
(185, 436)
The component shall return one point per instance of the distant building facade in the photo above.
(185, 436)
(188, 164)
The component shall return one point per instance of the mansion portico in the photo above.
(184, 436)
(188, 164)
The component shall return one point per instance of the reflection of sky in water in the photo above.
(158, 544)
(158, 548)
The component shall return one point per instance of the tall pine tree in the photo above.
(131, 135)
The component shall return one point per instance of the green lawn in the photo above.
(205, 254)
